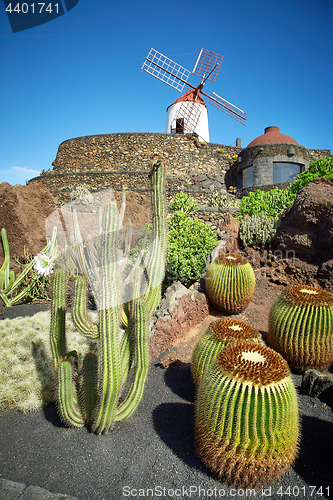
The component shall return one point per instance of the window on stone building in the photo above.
(245, 177)
(285, 172)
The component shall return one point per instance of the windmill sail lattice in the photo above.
(207, 62)
(166, 70)
(189, 113)
(227, 108)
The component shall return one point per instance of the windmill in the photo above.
(188, 114)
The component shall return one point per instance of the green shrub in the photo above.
(189, 243)
(323, 167)
(46, 172)
(268, 203)
(258, 229)
(184, 202)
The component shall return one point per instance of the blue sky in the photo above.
(80, 74)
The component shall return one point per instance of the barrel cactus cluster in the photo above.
(246, 415)
(90, 394)
(219, 333)
(230, 283)
(301, 327)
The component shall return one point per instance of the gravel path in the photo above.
(152, 454)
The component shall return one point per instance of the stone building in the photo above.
(271, 158)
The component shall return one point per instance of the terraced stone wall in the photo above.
(116, 160)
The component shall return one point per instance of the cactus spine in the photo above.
(230, 283)
(301, 327)
(219, 333)
(246, 420)
(92, 396)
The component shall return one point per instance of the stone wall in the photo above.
(132, 151)
(315, 154)
(113, 160)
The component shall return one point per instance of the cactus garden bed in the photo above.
(154, 451)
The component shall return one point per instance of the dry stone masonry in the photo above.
(114, 160)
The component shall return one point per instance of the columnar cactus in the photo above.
(91, 395)
(230, 283)
(246, 416)
(301, 327)
(219, 333)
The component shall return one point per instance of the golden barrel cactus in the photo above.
(301, 327)
(246, 416)
(219, 333)
(230, 283)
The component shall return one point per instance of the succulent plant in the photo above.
(258, 229)
(301, 327)
(230, 283)
(246, 416)
(219, 333)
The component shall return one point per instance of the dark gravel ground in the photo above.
(153, 453)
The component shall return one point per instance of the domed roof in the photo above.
(189, 96)
(272, 135)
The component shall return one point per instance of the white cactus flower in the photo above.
(44, 264)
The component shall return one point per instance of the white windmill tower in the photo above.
(189, 113)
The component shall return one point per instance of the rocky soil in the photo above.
(256, 314)
(303, 253)
(24, 210)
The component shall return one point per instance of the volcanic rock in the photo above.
(228, 233)
(307, 226)
(315, 382)
(23, 211)
(179, 311)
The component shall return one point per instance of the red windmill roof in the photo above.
(189, 96)
(272, 135)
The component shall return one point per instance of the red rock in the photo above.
(23, 211)
(228, 232)
(180, 311)
(307, 226)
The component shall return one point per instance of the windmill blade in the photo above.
(227, 108)
(166, 70)
(206, 62)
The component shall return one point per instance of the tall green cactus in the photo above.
(246, 415)
(219, 333)
(301, 327)
(92, 396)
(8, 283)
(230, 283)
